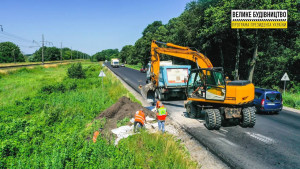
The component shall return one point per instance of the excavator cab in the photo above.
(208, 83)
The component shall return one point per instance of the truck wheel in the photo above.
(212, 119)
(160, 96)
(191, 110)
(253, 116)
(246, 117)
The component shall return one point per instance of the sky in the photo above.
(85, 25)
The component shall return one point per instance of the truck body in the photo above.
(171, 81)
(115, 63)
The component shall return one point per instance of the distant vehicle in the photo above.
(267, 100)
(115, 63)
(143, 70)
(122, 65)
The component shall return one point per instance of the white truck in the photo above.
(115, 63)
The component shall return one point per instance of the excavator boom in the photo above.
(176, 51)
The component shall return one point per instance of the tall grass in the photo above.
(47, 120)
(291, 99)
(157, 150)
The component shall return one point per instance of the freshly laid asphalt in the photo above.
(274, 142)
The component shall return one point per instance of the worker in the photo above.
(139, 120)
(157, 105)
(161, 117)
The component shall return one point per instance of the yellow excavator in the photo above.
(207, 90)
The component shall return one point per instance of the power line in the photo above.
(15, 36)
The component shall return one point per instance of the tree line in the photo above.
(10, 52)
(261, 56)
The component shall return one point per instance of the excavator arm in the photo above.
(176, 51)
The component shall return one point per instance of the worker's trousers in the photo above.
(161, 125)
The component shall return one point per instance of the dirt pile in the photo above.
(118, 111)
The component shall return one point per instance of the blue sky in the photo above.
(86, 25)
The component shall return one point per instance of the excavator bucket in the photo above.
(148, 92)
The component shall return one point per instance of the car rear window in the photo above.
(273, 96)
(257, 95)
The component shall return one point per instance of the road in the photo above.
(274, 142)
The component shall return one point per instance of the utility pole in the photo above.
(60, 52)
(43, 48)
(43, 44)
(71, 53)
(77, 55)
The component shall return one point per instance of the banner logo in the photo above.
(259, 19)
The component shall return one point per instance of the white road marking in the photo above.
(223, 140)
(225, 131)
(217, 132)
(262, 138)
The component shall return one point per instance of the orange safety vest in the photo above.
(162, 113)
(140, 117)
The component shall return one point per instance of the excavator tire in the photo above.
(191, 110)
(218, 119)
(253, 116)
(246, 119)
(212, 119)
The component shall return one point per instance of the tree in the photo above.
(9, 52)
(106, 54)
(126, 54)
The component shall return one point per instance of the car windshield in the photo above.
(273, 96)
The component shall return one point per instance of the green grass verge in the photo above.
(46, 119)
(291, 100)
(136, 67)
(157, 150)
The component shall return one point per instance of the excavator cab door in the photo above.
(206, 84)
(215, 85)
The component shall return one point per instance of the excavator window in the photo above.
(207, 84)
(215, 89)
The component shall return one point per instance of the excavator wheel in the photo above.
(212, 119)
(253, 116)
(246, 120)
(191, 110)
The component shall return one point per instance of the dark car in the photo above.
(143, 70)
(267, 100)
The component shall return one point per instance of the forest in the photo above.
(259, 55)
(10, 52)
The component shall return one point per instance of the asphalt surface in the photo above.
(274, 142)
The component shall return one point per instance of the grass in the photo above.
(291, 99)
(47, 120)
(157, 150)
(123, 122)
(136, 67)
(29, 63)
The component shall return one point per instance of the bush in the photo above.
(48, 89)
(76, 72)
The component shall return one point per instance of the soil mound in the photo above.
(118, 111)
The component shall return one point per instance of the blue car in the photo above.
(267, 100)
